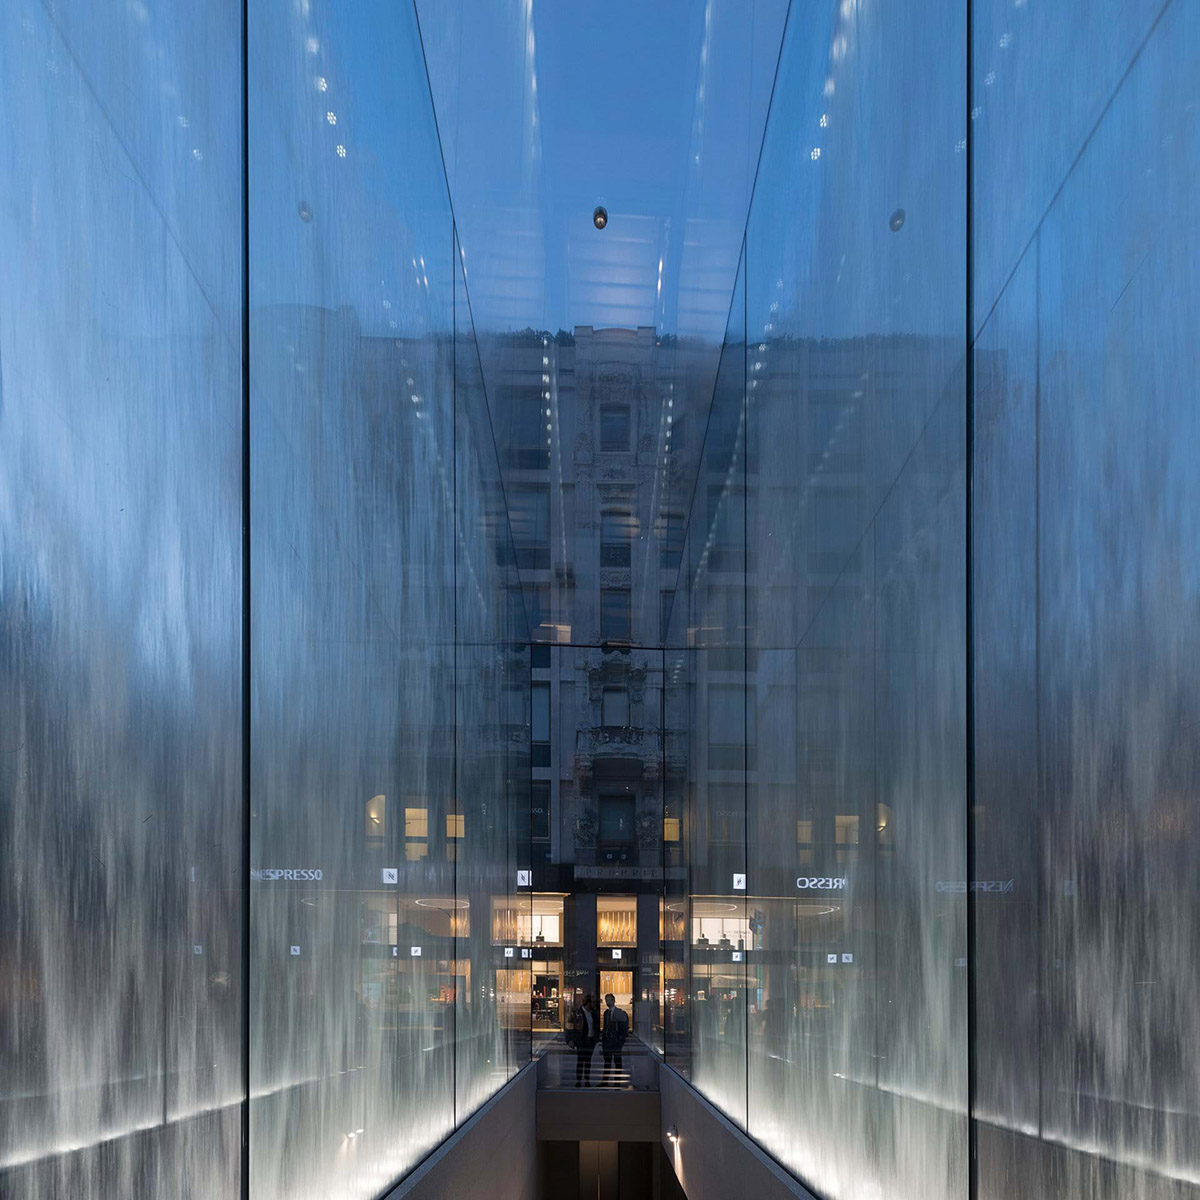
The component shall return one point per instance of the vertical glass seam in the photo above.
(1039, 778)
(453, 539)
(745, 964)
(244, 885)
(969, 625)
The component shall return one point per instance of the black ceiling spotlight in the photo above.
(896, 220)
(600, 216)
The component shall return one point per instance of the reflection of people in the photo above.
(774, 1023)
(585, 1041)
(706, 1021)
(616, 1030)
(735, 1018)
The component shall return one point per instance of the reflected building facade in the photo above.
(594, 436)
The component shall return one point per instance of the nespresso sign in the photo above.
(821, 883)
(271, 874)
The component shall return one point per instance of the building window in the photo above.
(614, 708)
(670, 829)
(540, 811)
(616, 535)
(614, 427)
(529, 516)
(376, 820)
(726, 727)
(616, 820)
(416, 822)
(522, 406)
(845, 829)
(670, 541)
(664, 614)
(455, 824)
(615, 621)
(540, 616)
(541, 725)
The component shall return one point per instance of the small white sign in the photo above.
(524, 879)
(508, 952)
(415, 951)
(526, 952)
(390, 874)
(197, 949)
(739, 883)
(295, 951)
(395, 951)
(738, 956)
(831, 958)
(848, 958)
(616, 954)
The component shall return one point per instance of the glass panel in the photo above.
(1085, 528)
(493, 978)
(122, 886)
(715, 815)
(354, 976)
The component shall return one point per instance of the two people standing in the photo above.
(587, 1028)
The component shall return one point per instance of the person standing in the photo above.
(616, 1030)
(585, 1041)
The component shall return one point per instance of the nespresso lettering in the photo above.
(271, 874)
(820, 883)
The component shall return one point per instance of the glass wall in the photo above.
(951, 756)
(1086, 303)
(263, 651)
(122, 962)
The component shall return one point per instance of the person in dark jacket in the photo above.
(585, 1028)
(616, 1030)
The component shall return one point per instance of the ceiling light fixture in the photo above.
(600, 216)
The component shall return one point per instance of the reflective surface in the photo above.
(867, 932)
(1086, 766)
(388, 679)
(121, 894)
(390, 692)
(854, 496)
